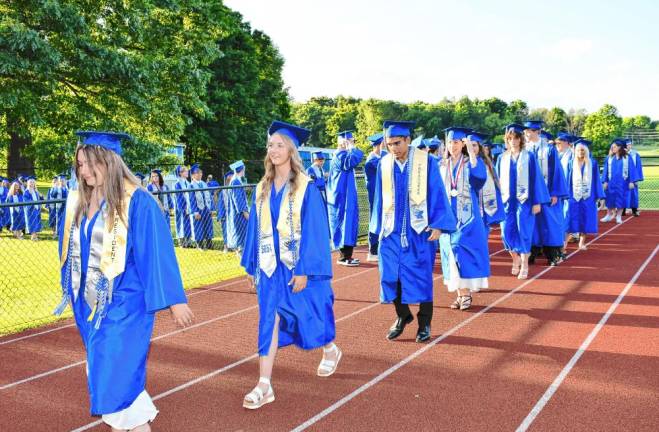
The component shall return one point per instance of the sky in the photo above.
(572, 54)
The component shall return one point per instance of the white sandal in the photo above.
(256, 399)
(328, 367)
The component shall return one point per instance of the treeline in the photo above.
(176, 71)
(327, 116)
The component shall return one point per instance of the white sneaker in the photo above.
(618, 219)
(372, 258)
(606, 218)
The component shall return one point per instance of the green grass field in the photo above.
(29, 280)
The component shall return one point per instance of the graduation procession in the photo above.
(275, 216)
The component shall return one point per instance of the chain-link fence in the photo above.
(208, 226)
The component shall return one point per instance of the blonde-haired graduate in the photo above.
(585, 189)
(287, 257)
(114, 281)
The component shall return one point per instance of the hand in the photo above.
(605, 185)
(298, 283)
(182, 314)
(536, 209)
(434, 234)
(554, 200)
(246, 215)
(632, 185)
(197, 216)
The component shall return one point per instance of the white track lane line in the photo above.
(174, 332)
(242, 361)
(338, 404)
(582, 349)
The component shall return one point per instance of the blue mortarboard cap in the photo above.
(297, 134)
(319, 155)
(564, 136)
(620, 142)
(54, 177)
(419, 142)
(434, 142)
(157, 171)
(20, 177)
(376, 139)
(456, 133)
(394, 128)
(108, 140)
(533, 124)
(228, 174)
(584, 142)
(139, 175)
(194, 168)
(237, 166)
(546, 135)
(476, 136)
(345, 134)
(178, 170)
(628, 141)
(515, 127)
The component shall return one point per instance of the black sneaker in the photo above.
(349, 262)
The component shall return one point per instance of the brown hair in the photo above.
(515, 134)
(117, 175)
(622, 152)
(297, 169)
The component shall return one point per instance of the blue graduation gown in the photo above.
(307, 317)
(582, 214)
(4, 211)
(638, 165)
(517, 227)
(222, 204)
(412, 266)
(469, 242)
(166, 200)
(117, 351)
(183, 210)
(342, 198)
(213, 184)
(16, 214)
(32, 212)
(316, 174)
(236, 222)
(617, 192)
(370, 171)
(550, 222)
(203, 227)
(52, 218)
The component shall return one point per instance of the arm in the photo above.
(249, 256)
(350, 159)
(314, 254)
(477, 175)
(440, 214)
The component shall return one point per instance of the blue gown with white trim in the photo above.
(550, 222)
(32, 212)
(342, 197)
(618, 192)
(582, 214)
(306, 317)
(17, 213)
(117, 351)
(517, 227)
(638, 165)
(412, 266)
(236, 222)
(469, 241)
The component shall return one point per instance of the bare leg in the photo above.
(582, 241)
(524, 268)
(516, 263)
(266, 363)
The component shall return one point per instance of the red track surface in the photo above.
(487, 374)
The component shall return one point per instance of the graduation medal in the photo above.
(454, 181)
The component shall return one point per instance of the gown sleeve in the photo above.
(375, 224)
(153, 250)
(350, 159)
(477, 175)
(639, 167)
(598, 190)
(248, 259)
(238, 196)
(440, 214)
(558, 186)
(315, 258)
(605, 170)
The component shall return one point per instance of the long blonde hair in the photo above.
(117, 175)
(297, 169)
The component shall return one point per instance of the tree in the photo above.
(109, 64)
(245, 93)
(556, 120)
(601, 127)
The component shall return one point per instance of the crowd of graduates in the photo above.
(426, 196)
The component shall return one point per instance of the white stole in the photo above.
(464, 210)
(625, 166)
(522, 186)
(582, 183)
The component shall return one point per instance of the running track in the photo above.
(572, 348)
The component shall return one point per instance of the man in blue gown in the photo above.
(342, 198)
(238, 209)
(410, 210)
(549, 232)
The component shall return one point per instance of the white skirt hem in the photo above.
(141, 411)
